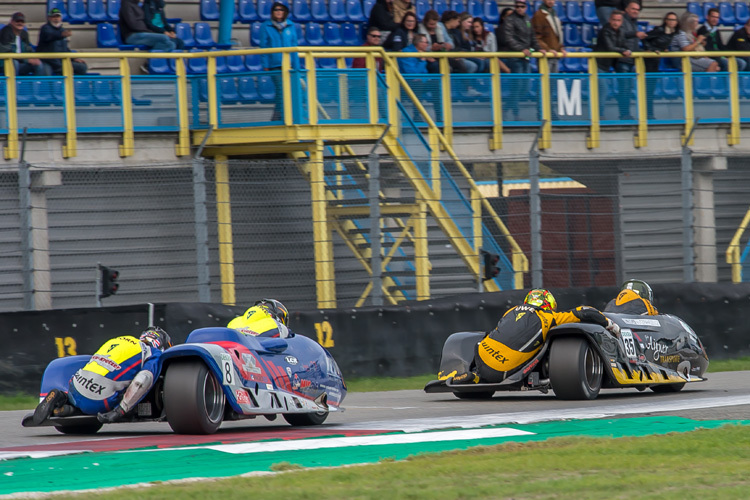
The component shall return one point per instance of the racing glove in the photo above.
(613, 327)
(111, 416)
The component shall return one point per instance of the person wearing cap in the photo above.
(278, 31)
(15, 39)
(156, 20)
(53, 38)
(134, 31)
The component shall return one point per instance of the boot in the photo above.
(54, 398)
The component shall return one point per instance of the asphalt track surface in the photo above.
(724, 396)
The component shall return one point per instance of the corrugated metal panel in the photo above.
(732, 201)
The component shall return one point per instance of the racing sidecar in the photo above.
(220, 374)
(658, 352)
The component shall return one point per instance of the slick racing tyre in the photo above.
(667, 388)
(474, 395)
(79, 429)
(575, 369)
(193, 398)
(301, 419)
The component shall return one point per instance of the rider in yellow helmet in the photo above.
(266, 318)
(521, 333)
(635, 297)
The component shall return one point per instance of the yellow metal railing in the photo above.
(733, 250)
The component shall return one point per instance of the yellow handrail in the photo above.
(733, 250)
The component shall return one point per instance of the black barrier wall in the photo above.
(386, 341)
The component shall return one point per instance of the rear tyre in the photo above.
(302, 419)
(79, 429)
(193, 398)
(667, 388)
(474, 395)
(575, 369)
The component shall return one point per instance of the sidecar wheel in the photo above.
(667, 388)
(193, 398)
(575, 369)
(78, 429)
(474, 395)
(301, 419)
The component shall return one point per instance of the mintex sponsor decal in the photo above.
(641, 321)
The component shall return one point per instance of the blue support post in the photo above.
(226, 18)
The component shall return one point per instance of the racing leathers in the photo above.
(630, 302)
(118, 376)
(258, 322)
(519, 336)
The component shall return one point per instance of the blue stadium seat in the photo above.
(247, 90)
(491, 12)
(354, 11)
(301, 11)
(264, 9)
(185, 33)
(104, 93)
(221, 63)
(367, 7)
(745, 86)
(209, 10)
(702, 87)
(197, 66)
(573, 11)
(83, 91)
(58, 4)
(337, 10)
(159, 66)
(572, 35)
(253, 62)
(726, 14)
(350, 36)
(106, 36)
(77, 12)
(695, 8)
(247, 12)
(204, 38)
(561, 11)
(235, 64)
(708, 5)
(440, 6)
(326, 63)
(532, 8)
(422, 6)
(266, 88)
(255, 33)
(741, 12)
(24, 92)
(113, 9)
(457, 5)
(319, 11)
(314, 35)
(300, 31)
(475, 8)
(227, 88)
(42, 93)
(97, 12)
(588, 33)
(332, 34)
(589, 12)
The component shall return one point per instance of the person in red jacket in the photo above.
(374, 39)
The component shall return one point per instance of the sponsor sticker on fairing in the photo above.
(626, 334)
(641, 321)
(242, 397)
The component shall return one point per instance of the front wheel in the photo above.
(193, 398)
(302, 419)
(575, 369)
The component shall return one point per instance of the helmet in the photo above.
(541, 298)
(639, 287)
(275, 309)
(156, 338)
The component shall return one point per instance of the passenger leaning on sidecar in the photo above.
(521, 333)
(267, 318)
(635, 297)
(116, 378)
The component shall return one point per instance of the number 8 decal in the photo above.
(226, 369)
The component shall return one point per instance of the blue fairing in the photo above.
(58, 372)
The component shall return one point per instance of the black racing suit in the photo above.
(519, 336)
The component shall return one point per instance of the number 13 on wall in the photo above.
(324, 331)
(66, 346)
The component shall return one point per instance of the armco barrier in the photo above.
(388, 341)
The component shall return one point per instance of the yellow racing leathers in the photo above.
(258, 322)
(519, 336)
(630, 302)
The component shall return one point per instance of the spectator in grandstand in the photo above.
(688, 41)
(53, 38)
(403, 36)
(434, 30)
(549, 32)
(417, 65)
(629, 27)
(373, 40)
(451, 21)
(658, 40)
(156, 20)
(134, 31)
(401, 7)
(465, 43)
(485, 40)
(15, 39)
(278, 32)
(713, 42)
(499, 29)
(740, 41)
(604, 9)
(381, 16)
(612, 39)
(518, 36)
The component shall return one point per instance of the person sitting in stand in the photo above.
(433, 29)
(15, 39)
(635, 297)
(374, 38)
(403, 36)
(521, 333)
(688, 41)
(134, 31)
(266, 318)
(417, 65)
(156, 20)
(485, 41)
(740, 41)
(381, 16)
(53, 38)
(113, 382)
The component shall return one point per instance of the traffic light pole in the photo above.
(98, 289)
(535, 209)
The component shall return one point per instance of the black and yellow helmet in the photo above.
(541, 298)
(275, 309)
(640, 287)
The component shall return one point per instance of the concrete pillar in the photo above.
(40, 182)
(704, 217)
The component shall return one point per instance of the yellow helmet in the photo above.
(541, 298)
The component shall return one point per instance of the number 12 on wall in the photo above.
(324, 331)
